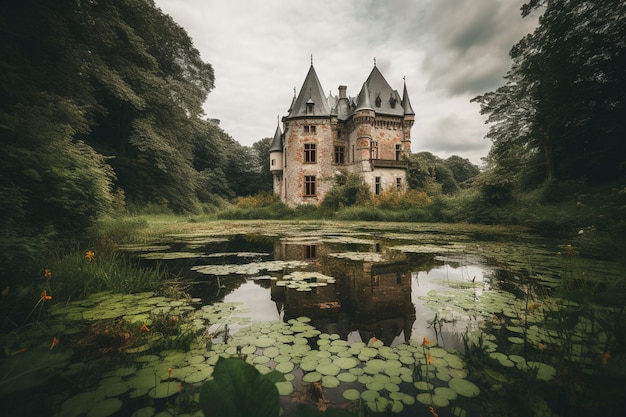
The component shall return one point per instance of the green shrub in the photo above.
(349, 190)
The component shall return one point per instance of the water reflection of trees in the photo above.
(369, 298)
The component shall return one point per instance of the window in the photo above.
(273, 162)
(309, 153)
(377, 187)
(399, 184)
(309, 185)
(374, 150)
(378, 101)
(309, 129)
(398, 151)
(310, 251)
(340, 152)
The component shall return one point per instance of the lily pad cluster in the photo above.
(304, 280)
(252, 268)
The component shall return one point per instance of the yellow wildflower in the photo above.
(47, 274)
(90, 255)
(145, 328)
(55, 342)
(426, 342)
(45, 296)
(429, 358)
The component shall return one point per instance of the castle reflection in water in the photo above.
(368, 299)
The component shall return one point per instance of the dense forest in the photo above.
(101, 112)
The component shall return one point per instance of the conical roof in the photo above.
(385, 100)
(277, 143)
(406, 103)
(311, 96)
(363, 99)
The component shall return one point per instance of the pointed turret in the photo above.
(406, 103)
(277, 143)
(276, 157)
(363, 99)
(311, 101)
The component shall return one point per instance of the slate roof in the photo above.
(277, 143)
(376, 94)
(311, 92)
(383, 99)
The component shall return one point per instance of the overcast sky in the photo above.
(449, 51)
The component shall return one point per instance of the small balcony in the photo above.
(389, 163)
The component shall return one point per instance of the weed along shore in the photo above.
(185, 318)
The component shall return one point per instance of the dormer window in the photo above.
(392, 102)
(378, 101)
(309, 106)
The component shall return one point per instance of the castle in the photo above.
(324, 136)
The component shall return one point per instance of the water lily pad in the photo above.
(545, 372)
(346, 363)
(423, 385)
(369, 395)
(351, 394)
(312, 377)
(347, 377)
(105, 408)
(284, 367)
(164, 390)
(464, 387)
(284, 388)
(328, 369)
(329, 381)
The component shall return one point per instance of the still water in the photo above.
(376, 318)
(495, 291)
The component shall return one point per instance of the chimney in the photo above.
(342, 91)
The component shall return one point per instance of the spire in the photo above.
(311, 101)
(363, 99)
(406, 103)
(277, 143)
(385, 97)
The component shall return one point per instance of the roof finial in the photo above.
(404, 78)
(311, 59)
(374, 61)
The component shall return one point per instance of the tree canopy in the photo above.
(561, 113)
(101, 106)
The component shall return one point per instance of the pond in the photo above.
(389, 319)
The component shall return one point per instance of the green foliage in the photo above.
(238, 389)
(75, 276)
(31, 368)
(561, 110)
(260, 206)
(349, 190)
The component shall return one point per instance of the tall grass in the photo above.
(75, 276)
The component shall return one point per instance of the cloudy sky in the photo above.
(449, 51)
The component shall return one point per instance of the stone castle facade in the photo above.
(324, 136)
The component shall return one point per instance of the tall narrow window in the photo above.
(398, 151)
(309, 185)
(340, 152)
(374, 150)
(309, 153)
(399, 184)
(377, 187)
